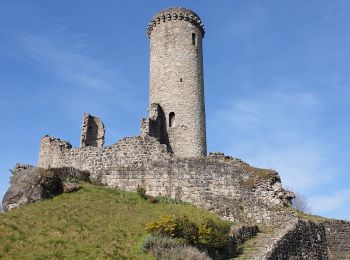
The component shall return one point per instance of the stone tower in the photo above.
(176, 80)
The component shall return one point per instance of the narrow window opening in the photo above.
(171, 119)
(193, 38)
(180, 79)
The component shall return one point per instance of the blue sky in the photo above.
(277, 82)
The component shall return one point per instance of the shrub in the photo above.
(176, 227)
(152, 242)
(170, 248)
(142, 192)
(186, 229)
(181, 253)
(165, 227)
(167, 200)
(70, 179)
(209, 234)
(214, 234)
(152, 199)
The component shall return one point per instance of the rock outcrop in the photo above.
(30, 184)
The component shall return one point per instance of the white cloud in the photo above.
(336, 201)
(85, 83)
(66, 57)
(279, 131)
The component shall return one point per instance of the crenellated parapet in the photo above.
(175, 14)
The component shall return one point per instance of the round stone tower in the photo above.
(176, 79)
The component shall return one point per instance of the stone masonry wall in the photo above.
(128, 152)
(93, 131)
(338, 239)
(176, 78)
(300, 240)
(221, 184)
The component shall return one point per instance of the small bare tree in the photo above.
(300, 202)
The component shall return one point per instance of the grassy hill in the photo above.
(93, 223)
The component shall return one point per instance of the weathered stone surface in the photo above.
(156, 126)
(67, 174)
(30, 184)
(130, 151)
(241, 233)
(70, 187)
(176, 79)
(93, 131)
(338, 239)
(297, 239)
(306, 241)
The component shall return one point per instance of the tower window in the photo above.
(180, 79)
(171, 119)
(193, 38)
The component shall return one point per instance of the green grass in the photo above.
(310, 217)
(93, 223)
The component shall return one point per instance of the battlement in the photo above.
(174, 14)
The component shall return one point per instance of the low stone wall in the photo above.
(338, 239)
(240, 234)
(301, 240)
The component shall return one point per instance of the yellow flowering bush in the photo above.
(164, 227)
(210, 233)
(214, 234)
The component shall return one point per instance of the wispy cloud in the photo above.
(278, 130)
(329, 203)
(83, 78)
(70, 61)
(333, 8)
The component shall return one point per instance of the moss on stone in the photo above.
(257, 175)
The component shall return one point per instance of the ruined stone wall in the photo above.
(176, 78)
(221, 184)
(129, 151)
(93, 131)
(155, 125)
(338, 239)
(302, 240)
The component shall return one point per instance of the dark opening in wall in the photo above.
(193, 38)
(180, 79)
(171, 119)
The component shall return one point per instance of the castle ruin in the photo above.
(169, 157)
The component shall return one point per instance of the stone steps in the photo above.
(252, 246)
